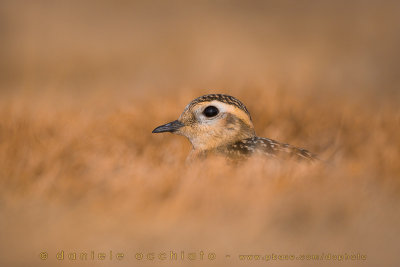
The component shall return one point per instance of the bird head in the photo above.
(212, 121)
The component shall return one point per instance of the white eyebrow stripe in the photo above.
(227, 108)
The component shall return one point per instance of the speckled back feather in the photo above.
(266, 147)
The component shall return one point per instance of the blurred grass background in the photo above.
(83, 83)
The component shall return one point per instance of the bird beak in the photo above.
(169, 127)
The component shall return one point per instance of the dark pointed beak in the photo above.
(169, 127)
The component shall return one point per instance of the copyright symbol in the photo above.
(43, 255)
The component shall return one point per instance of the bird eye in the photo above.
(210, 111)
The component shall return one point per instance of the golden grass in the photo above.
(81, 171)
(78, 179)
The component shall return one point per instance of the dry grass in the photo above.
(81, 171)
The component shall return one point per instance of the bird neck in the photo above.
(218, 142)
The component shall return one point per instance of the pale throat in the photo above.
(216, 139)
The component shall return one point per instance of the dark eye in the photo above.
(210, 111)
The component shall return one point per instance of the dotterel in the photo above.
(220, 124)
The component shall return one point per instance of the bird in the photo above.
(220, 124)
